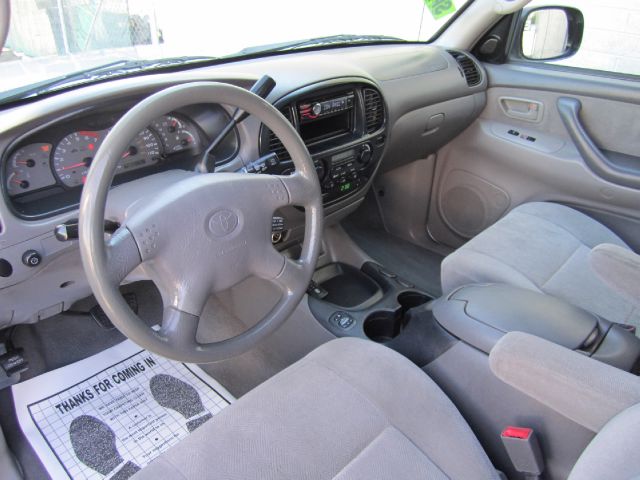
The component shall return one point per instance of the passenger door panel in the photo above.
(504, 159)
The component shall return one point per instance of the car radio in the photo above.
(310, 111)
(326, 118)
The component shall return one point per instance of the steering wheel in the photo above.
(202, 234)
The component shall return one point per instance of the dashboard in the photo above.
(361, 111)
(44, 172)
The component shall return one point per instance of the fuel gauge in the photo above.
(29, 169)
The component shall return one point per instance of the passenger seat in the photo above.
(557, 250)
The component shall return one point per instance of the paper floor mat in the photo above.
(109, 415)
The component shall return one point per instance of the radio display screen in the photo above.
(326, 127)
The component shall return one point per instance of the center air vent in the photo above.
(373, 110)
(468, 68)
(275, 145)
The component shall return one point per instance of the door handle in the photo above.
(521, 108)
(569, 109)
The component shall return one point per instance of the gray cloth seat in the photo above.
(351, 409)
(544, 247)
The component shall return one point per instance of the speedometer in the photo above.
(74, 154)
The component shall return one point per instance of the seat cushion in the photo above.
(351, 409)
(543, 247)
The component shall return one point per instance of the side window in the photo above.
(610, 39)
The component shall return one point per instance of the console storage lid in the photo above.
(481, 314)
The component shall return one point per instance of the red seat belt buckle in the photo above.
(517, 432)
(523, 449)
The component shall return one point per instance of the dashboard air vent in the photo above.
(275, 145)
(373, 110)
(468, 68)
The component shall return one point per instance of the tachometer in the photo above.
(177, 135)
(28, 169)
(74, 154)
(144, 150)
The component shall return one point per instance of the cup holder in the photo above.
(409, 300)
(384, 326)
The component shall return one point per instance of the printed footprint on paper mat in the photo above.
(171, 392)
(94, 443)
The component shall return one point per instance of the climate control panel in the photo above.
(345, 171)
(341, 172)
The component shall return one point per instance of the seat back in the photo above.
(613, 453)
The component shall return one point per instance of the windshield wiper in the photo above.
(101, 72)
(318, 42)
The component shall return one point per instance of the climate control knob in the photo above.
(364, 156)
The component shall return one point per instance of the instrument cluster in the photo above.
(65, 162)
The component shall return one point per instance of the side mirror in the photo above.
(550, 33)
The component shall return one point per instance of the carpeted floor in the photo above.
(416, 264)
(67, 338)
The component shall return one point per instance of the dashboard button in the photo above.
(31, 258)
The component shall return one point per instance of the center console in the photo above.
(369, 303)
(480, 315)
(343, 126)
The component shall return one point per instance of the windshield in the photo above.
(53, 38)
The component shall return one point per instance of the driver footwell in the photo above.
(111, 414)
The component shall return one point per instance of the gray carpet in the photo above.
(244, 372)
(65, 339)
(416, 264)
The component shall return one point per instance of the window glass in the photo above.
(48, 38)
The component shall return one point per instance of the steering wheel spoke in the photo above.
(179, 329)
(300, 189)
(123, 255)
(284, 272)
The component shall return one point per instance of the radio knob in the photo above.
(316, 108)
(365, 155)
